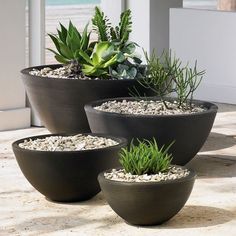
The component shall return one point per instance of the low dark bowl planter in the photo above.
(60, 102)
(189, 131)
(149, 203)
(69, 175)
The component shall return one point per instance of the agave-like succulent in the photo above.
(103, 56)
(69, 42)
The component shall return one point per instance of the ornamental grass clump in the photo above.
(145, 158)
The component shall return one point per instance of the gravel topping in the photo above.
(68, 143)
(64, 72)
(173, 173)
(149, 107)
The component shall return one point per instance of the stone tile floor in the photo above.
(210, 211)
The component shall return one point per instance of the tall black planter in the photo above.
(189, 131)
(66, 175)
(60, 102)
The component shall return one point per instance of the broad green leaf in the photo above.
(85, 57)
(120, 57)
(111, 62)
(63, 34)
(73, 42)
(65, 51)
(71, 28)
(85, 38)
(87, 69)
(108, 53)
(61, 59)
(101, 47)
(53, 51)
(55, 41)
(96, 60)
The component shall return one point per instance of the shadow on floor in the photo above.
(68, 221)
(214, 166)
(198, 217)
(191, 216)
(217, 141)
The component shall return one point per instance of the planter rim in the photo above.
(192, 175)
(121, 142)
(90, 107)
(26, 71)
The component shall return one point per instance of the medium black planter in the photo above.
(148, 203)
(60, 102)
(189, 131)
(68, 175)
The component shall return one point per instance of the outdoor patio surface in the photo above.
(210, 210)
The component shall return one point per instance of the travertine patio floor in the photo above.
(211, 209)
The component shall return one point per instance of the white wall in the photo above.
(159, 23)
(141, 23)
(12, 60)
(113, 9)
(209, 37)
(36, 43)
(150, 20)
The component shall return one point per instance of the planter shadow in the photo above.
(214, 166)
(217, 141)
(193, 216)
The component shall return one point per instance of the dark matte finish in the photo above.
(60, 102)
(69, 175)
(189, 131)
(149, 203)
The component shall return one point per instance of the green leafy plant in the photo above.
(101, 25)
(128, 70)
(111, 56)
(106, 32)
(103, 56)
(69, 42)
(119, 36)
(145, 158)
(166, 76)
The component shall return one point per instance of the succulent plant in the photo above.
(112, 56)
(145, 158)
(166, 76)
(128, 70)
(69, 42)
(103, 56)
(106, 32)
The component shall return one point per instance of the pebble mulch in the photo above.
(149, 107)
(68, 143)
(173, 173)
(64, 72)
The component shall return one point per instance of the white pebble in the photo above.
(68, 143)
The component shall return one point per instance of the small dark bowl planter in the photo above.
(60, 102)
(148, 203)
(66, 176)
(189, 131)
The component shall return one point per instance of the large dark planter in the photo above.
(189, 131)
(67, 175)
(60, 102)
(148, 203)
